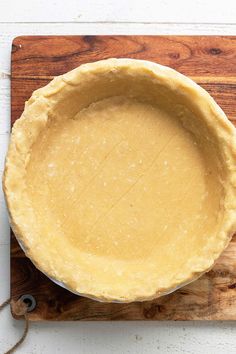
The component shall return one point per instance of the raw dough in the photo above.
(126, 190)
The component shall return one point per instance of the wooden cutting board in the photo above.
(211, 62)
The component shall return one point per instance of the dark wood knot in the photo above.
(215, 51)
(232, 286)
(89, 39)
(151, 311)
(174, 55)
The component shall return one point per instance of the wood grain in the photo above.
(211, 61)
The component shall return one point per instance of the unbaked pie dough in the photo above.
(120, 180)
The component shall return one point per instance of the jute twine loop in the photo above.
(19, 308)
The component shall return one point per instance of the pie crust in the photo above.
(120, 180)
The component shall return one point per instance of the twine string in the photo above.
(19, 308)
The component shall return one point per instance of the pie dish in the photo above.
(120, 180)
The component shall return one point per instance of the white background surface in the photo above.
(18, 17)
